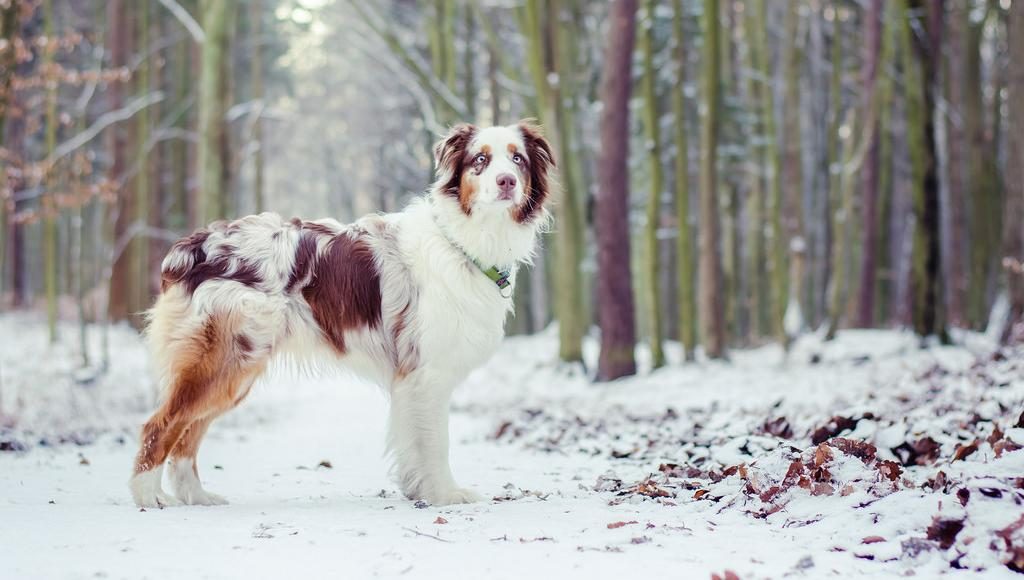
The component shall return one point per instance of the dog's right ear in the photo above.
(449, 154)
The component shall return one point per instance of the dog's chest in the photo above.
(463, 319)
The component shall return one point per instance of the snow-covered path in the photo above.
(65, 511)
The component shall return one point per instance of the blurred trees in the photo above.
(858, 161)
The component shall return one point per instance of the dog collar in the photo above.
(495, 274)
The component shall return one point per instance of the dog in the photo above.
(413, 301)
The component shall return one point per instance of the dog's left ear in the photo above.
(449, 155)
(541, 160)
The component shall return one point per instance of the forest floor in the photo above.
(864, 457)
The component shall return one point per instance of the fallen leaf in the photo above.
(872, 540)
(778, 427)
(325, 464)
(822, 489)
(860, 449)
(964, 451)
(440, 520)
(835, 426)
(944, 531)
(890, 470)
(822, 455)
(996, 435)
(615, 525)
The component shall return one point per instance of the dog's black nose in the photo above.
(506, 181)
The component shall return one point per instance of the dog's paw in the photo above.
(147, 493)
(199, 496)
(154, 499)
(452, 496)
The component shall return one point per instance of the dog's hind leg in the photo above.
(208, 368)
(184, 471)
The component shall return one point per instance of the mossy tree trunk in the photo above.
(651, 264)
(920, 39)
(712, 306)
(684, 238)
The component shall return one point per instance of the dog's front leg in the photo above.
(418, 442)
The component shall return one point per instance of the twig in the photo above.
(104, 121)
(185, 19)
(419, 533)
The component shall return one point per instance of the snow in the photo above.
(669, 471)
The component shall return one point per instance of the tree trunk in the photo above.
(885, 273)
(214, 167)
(982, 186)
(256, 74)
(138, 248)
(773, 166)
(793, 168)
(49, 201)
(757, 273)
(841, 231)
(8, 64)
(711, 296)
(469, 53)
(120, 283)
(651, 264)
(956, 154)
(869, 170)
(1013, 236)
(921, 42)
(614, 292)
(549, 56)
(684, 239)
(835, 235)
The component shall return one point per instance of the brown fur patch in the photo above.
(191, 245)
(539, 161)
(304, 255)
(218, 268)
(319, 229)
(199, 267)
(467, 191)
(344, 292)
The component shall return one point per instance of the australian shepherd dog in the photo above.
(413, 301)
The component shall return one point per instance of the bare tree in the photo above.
(711, 299)
(614, 291)
(869, 172)
(1013, 236)
(922, 32)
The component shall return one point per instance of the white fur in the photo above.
(147, 492)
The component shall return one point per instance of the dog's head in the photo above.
(495, 168)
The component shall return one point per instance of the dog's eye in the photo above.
(480, 159)
(517, 158)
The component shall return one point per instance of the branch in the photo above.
(431, 536)
(105, 120)
(183, 16)
(452, 103)
(415, 89)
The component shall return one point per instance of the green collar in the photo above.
(497, 275)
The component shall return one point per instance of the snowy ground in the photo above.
(878, 460)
